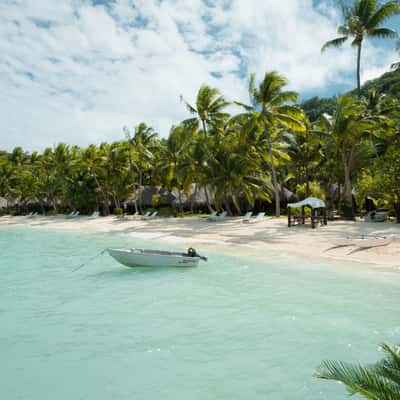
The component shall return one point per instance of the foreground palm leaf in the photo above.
(380, 381)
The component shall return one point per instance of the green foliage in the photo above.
(316, 106)
(155, 200)
(118, 211)
(314, 191)
(388, 84)
(233, 161)
(166, 212)
(379, 381)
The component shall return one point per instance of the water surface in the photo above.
(229, 329)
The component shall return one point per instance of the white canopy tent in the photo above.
(312, 202)
(318, 212)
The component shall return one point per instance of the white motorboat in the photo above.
(156, 258)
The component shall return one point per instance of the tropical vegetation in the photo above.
(240, 155)
(379, 381)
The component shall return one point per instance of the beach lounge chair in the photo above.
(30, 214)
(247, 216)
(212, 216)
(146, 215)
(95, 214)
(151, 216)
(73, 214)
(259, 217)
(220, 217)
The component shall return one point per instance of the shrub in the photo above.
(118, 211)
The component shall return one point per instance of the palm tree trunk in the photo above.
(180, 200)
(106, 208)
(274, 179)
(359, 70)
(347, 192)
(192, 199)
(208, 149)
(207, 199)
(140, 194)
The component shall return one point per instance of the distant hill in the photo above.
(388, 83)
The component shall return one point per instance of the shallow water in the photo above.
(229, 329)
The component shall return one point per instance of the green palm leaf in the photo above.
(336, 43)
(383, 13)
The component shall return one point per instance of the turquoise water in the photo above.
(229, 329)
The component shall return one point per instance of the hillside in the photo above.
(388, 83)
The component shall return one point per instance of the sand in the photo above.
(232, 236)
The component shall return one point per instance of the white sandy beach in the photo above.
(271, 236)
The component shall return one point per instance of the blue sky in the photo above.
(77, 71)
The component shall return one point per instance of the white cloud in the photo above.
(78, 73)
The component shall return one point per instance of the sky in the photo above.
(78, 71)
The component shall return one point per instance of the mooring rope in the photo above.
(90, 260)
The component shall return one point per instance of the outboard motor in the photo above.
(193, 253)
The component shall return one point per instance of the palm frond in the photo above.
(383, 33)
(386, 11)
(245, 106)
(343, 30)
(190, 108)
(336, 43)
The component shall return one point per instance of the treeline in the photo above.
(388, 83)
(344, 157)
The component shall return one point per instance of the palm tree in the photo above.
(140, 147)
(380, 381)
(174, 159)
(240, 174)
(270, 112)
(345, 129)
(362, 20)
(304, 151)
(209, 112)
(208, 109)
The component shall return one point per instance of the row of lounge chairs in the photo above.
(247, 218)
(214, 216)
(148, 215)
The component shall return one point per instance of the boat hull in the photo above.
(140, 258)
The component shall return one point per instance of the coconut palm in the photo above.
(208, 109)
(364, 19)
(270, 111)
(240, 174)
(344, 130)
(380, 381)
(208, 112)
(174, 159)
(140, 147)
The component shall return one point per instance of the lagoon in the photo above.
(233, 328)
